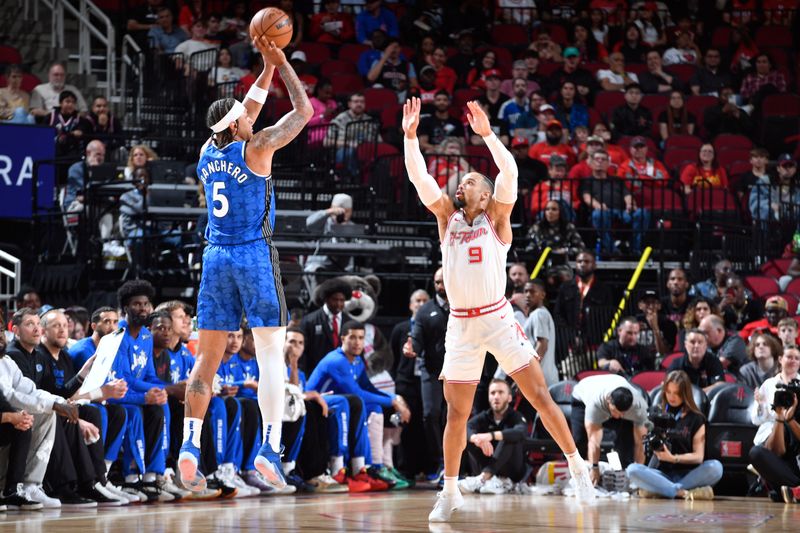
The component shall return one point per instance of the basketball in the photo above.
(273, 23)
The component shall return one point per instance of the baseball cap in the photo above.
(546, 107)
(571, 52)
(553, 123)
(776, 302)
(491, 73)
(519, 141)
(638, 141)
(427, 68)
(299, 55)
(786, 160)
(648, 294)
(519, 63)
(595, 139)
(557, 161)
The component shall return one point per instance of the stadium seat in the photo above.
(654, 102)
(674, 158)
(683, 141)
(9, 55)
(334, 67)
(730, 378)
(726, 157)
(607, 101)
(643, 391)
(721, 38)
(29, 81)
(684, 72)
(781, 105)
(728, 141)
(665, 201)
(346, 84)
(793, 287)
(588, 373)
(730, 433)
(776, 267)
(777, 36)
(700, 399)
(514, 35)
(649, 379)
(389, 115)
(351, 52)
(761, 285)
(462, 96)
(714, 204)
(668, 359)
(378, 99)
(316, 53)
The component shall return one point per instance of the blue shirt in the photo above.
(134, 364)
(336, 373)
(81, 351)
(366, 24)
(241, 206)
(510, 112)
(231, 372)
(181, 363)
(249, 371)
(166, 42)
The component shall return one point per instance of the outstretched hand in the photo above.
(478, 120)
(411, 117)
(272, 54)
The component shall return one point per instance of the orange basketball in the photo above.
(273, 23)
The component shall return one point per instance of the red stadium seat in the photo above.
(316, 53)
(727, 157)
(547, 68)
(351, 52)
(649, 379)
(697, 106)
(588, 373)
(661, 200)
(462, 96)
(389, 116)
(379, 98)
(713, 203)
(607, 101)
(761, 285)
(776, 267)
(683, 141)
(345, 84)
(721, 38)
(29, 82)
(654, 102)
(730, 378)
(726, 141)
(668, 359)
(510, 35)
(781, 105)
(9, 55)
(684, 72)
(793, 287)
(777, 36)
(674, 158)
(334, 67)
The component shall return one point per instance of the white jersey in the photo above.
(473, 263)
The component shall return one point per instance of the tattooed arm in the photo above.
(269, 55)
(270, 139)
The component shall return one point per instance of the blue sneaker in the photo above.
(268, 463)
(188, 459)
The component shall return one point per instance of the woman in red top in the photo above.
(191, 11)
(705, 173)
(475, 79)
(445, 76)
(331, 26)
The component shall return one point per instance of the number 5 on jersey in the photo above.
(475, 254)
(222, 210)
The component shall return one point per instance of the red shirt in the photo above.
(694, 176)
(542, 151)
(750, 328)
(324, 26)
(651, 170)
(446, 79)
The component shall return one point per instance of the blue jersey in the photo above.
(230, 371)
(134, 364)
(241, 206)
(181, 363)
(81, 351)
(336, 373)
(249, 371)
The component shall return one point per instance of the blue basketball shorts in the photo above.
(244, 278)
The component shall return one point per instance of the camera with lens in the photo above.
(785, 393)
(660, 433)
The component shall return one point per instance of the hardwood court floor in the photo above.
(408, 512)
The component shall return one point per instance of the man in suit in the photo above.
(321, 328)
(577, 297)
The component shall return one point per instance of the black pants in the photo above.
(775, 470)
(623, 442)
(414, 456)
(116, 419)
(153, 421)
(251, 421)
(313, 457)
(70, 465)
(508, 460)
(356, 408)
(433, 409)
(19, 442)
(96, 450)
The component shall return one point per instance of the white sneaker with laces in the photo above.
(495, 485)
(446, 503)
(584, 489)
(471, 484)
(167, 484)
(110, 495)
(36, 493)
(120, 494)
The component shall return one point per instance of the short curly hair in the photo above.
(131, 289)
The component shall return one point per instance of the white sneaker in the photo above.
(496, 485)
(110, 495)
(445, 505)
(36, 493)
(120, 494)
(245, 490)
(471, 484)
(226, 473)
(135, 495)
(167, 483)
(584, 489)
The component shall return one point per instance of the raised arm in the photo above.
(257, 95)
(429, 192)
(275, 137)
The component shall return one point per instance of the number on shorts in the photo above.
(222, 210)
(475, 254)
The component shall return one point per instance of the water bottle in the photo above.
(796, 241)
(597, 248)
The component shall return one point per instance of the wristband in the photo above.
(257, 94)
(96, 394)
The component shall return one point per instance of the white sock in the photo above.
(357, 463)
(149, 477)
(108, 465)
(574, 460)
(288, 467)
(272, 375)
(450, 485)
(192, 427)
(375, 433)
(131, 478)
(337, 463)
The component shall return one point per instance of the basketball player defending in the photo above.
(475, 232)
(240, 263)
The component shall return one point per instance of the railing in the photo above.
(10, 279)
(135, 64)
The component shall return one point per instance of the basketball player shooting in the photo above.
(240, 263)
(475, 236)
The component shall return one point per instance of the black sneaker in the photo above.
(154, 492)
(227, 491)
(102, 501)
(376, 473)
(18, 502)
(76, 501)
